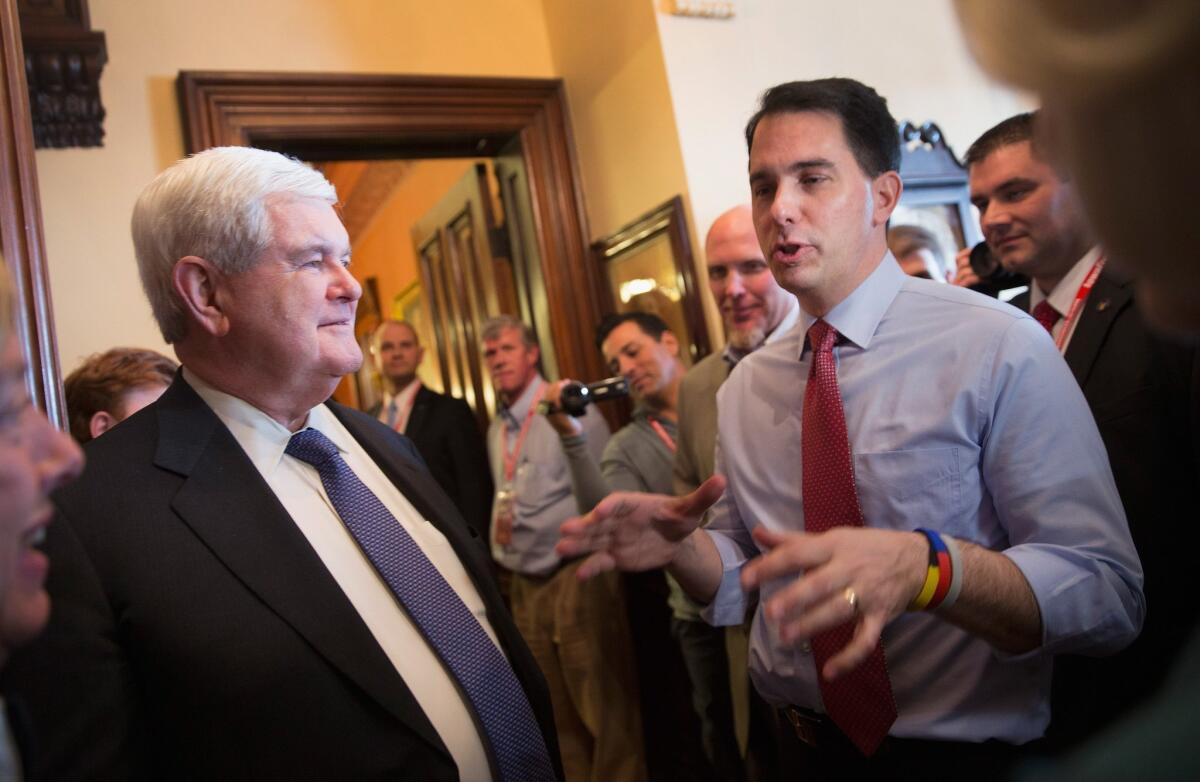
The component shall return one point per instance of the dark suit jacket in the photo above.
(1144, 391)
(448, 438)
(197, 635)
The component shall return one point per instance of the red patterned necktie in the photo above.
(859, 702)
(1046, 315)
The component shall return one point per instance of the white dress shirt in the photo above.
(1063, 295)
(977, 430)
(404, 404)
(298, 487)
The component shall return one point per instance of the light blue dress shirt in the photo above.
(964, 418)
(542, 484)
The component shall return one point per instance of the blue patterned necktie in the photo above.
(482, 672)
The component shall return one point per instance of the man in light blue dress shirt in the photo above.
(978, 432)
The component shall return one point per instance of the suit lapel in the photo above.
(229, 506)
(1110, 296)
(419, 487)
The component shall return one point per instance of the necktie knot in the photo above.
(821, 337)
(312, 447)
(1046, 315)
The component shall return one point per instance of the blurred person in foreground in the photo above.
(109, 387)
(35, 459)
(1134, 56)
(1122, 116)
(909, 504)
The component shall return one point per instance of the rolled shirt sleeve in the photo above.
(1066, 526)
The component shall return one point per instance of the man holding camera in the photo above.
(640, 348)
(575, 629)
(1141, 389)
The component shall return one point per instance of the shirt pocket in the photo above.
(903, 490)
(538, 485)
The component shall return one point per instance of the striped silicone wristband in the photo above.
(939, 577)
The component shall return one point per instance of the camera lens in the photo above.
(983, 263)
(574, 399)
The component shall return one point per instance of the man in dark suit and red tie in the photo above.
(1142, 387)
(251, 582)
(442, 427)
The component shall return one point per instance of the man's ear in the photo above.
(197, 284)
(885, 193)
(671, 342)
(101, 422)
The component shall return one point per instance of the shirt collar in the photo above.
(262, 437)
(514, 414)
(858, 315)
(401, 399)
(1063, 295)
(732, 355)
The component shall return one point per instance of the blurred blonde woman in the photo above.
(35, 459)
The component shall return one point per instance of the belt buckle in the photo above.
(805, 727)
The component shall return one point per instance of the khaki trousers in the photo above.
(579, 635)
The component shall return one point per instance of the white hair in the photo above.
(212, 205)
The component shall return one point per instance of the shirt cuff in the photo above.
(1082, 610)
(729, 604)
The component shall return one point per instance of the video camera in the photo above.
(576, 397)
(993, 277)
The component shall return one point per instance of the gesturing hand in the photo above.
(884, 569)
(633, 531)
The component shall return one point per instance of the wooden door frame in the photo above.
(321, 116)
(21, 238)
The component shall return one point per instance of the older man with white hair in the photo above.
(252, 582)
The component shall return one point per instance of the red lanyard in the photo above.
(511, 457)
(1077, 305)
(412, 400)
(662, 434)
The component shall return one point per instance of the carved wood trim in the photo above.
(334, 116)
(21, 238)
(63, 62)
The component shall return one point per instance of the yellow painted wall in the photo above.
(610, 59)
(87, 194)
(385, 251)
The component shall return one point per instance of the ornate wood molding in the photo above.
(21, 224)
(337, 116)
(63, 61)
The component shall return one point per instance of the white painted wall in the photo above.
(911, 52)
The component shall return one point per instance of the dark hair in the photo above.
(869, 127)
(649, 323)
(1014, 130)
(101, 382)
